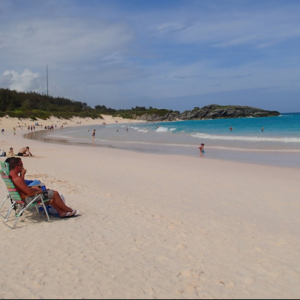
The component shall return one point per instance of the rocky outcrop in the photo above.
(212, 112)
(169, 117)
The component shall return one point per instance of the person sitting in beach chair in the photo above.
(17, 176)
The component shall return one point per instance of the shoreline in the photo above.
(289, 158)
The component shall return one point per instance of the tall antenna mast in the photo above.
(47, 82)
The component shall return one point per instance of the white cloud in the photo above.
(25, 81)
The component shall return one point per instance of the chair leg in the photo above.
(3, 205)
(38, 211)
(25, 208)
(9, 212)
(22, 211)
(46, 211)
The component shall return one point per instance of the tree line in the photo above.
(34, 105)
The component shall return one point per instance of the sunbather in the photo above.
(25, 152)
(17, 176)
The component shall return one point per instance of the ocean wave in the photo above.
(162, 129)
(173, 129)
(246, 138)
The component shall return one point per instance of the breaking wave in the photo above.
(247, 138)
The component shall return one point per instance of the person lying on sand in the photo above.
(17, 174)
(25, 152)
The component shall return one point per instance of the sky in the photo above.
(175, 54)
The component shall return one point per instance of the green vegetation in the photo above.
(33, 105)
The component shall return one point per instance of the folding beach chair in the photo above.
(18, 203)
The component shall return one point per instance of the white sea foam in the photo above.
(246, 138)
(162, 129)
(173, 129)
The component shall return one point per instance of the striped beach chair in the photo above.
(5, 168)
(18, 203)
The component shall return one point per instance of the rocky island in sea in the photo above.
(213, 111)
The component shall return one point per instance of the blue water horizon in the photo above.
(285, 128)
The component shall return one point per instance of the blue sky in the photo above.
(168, 53)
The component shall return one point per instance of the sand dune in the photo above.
(154, 226)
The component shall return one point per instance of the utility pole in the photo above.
(47, 83)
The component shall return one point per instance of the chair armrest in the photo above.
(30, 195)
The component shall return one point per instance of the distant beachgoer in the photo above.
(263, 129)
(201, 148)
(15, 131)
(25, 152)
(10, 153)
(127, 129)
(2, 131)
(94, 136)
(230, 128)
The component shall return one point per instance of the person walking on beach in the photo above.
(15, 131)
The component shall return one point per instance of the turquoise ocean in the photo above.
(282, 129)
(278, 144)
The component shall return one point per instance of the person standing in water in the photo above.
(230, 128)
(94, 136)
(201, 148)
(263, 129)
